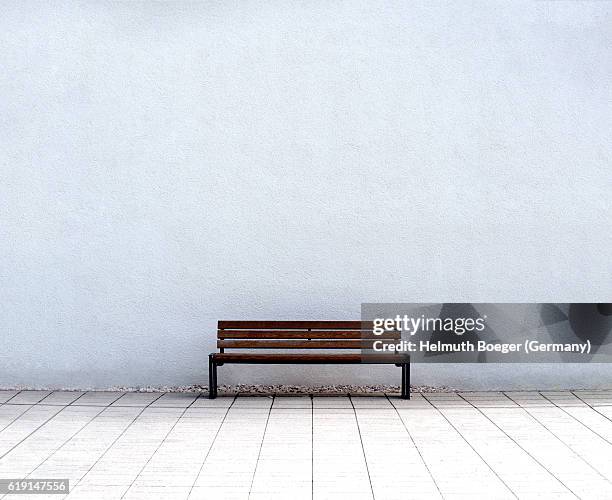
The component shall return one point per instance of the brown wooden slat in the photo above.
(284, 334)
(294, 344)
(287, 358)
(288, 325)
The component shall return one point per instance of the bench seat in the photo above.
(245, 357)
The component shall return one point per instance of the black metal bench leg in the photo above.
(405, 381)
(212, 377)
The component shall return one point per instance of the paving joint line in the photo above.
(35, 430)
(592, 407)
(30, 434)
(211, 445)
(365, 458)
(115, 440)
(578, 420)
(63, 444)
(29, 407)
(263, 437)
(522, 448)
(472, 447)
(524, 408)
(16, 393)
(415, 445)
(158, 446)
(311, 447)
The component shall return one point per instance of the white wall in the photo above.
(164, 165)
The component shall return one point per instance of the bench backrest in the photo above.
(290, 335)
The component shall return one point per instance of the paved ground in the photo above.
(439, 445)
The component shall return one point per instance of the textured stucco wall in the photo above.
(167, 164)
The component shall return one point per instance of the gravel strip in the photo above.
(258, 389)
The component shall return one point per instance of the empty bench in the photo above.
(266, 342)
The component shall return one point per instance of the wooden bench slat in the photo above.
(294, 344)
(287, 358)
(283, 334)
(288, 325)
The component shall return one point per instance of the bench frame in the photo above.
(274, 333)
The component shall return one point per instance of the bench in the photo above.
(317, 340)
